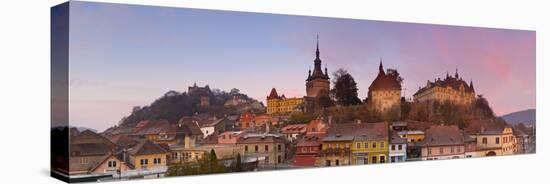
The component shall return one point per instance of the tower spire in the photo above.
(317, 51)
(456, 72)
(380, 67)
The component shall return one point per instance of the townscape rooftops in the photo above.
(357, 131)
(259, 138)
(294, 129)
(485, 127)
(440, 135)
(155, 127)
(310, 140)
(396, 139)
(146, 147)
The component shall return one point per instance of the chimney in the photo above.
(125, 155)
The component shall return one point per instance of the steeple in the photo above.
(380, 67)
(456, 73)
(317, 72)
(471, 84)
(317, 51)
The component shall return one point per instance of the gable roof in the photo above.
(357, 131)
(440, 135)
(147, 147)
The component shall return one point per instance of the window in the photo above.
(374, 158)
(484, 140)
(358, 145)
(458, 149)
(256, 148)
(266, 148)
(392, 147)
(381, 144)
(327, 162)
(382, 159)
(144, 161)
(279, 159)
(497, 140)
(245, 148)
(452, 149)
(337, 162)
(440, 150)
(430, 151)
(400, 147)
(84, 160)
(111, 163)
(366, 145)
(266, 160)
(373, 145)
(279, 147)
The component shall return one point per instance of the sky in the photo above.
(123, 56)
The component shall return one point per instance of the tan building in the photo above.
(148, 155)
(281, 104)
(385, 91)
(317, 83)
(268, 149)
(493, 139)
(452, 89)
(443, 142)
(87, 151)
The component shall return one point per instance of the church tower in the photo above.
(317, 82)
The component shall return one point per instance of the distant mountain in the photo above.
(527, 117)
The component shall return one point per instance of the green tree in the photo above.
(345, 88)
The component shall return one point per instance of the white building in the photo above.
(397, 148)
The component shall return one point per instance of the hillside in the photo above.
(527, 117)
(173, 105)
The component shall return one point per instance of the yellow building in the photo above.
(354, 143)
(370, 144)
(385, 91)
(281, 104)
(148, 155)
(452, 89)
(335, 150)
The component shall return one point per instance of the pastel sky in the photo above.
(122, 56)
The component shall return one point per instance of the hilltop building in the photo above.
(385, 91)
(281, 104)
(452, 89)
(202, 92)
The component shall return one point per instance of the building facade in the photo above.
(385, 91)
(268, 149)
(442, 142)
(397, 149)
(370, 143)
(452, 89)
(281, 104)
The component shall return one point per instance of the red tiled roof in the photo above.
(296, 128)
(273, 94)
(385, 81)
